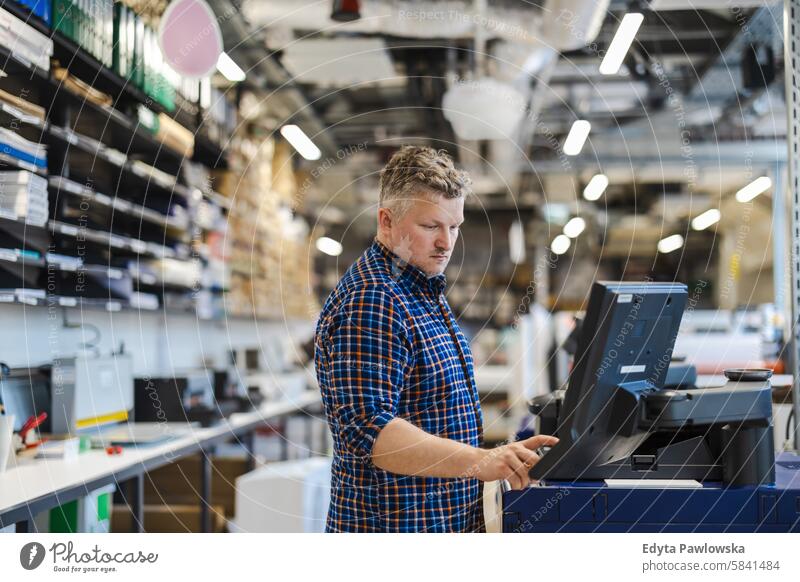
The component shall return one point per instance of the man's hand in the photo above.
(406, 449)
(511, 462)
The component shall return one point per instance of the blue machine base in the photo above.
(594, 507)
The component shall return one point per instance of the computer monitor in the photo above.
(624, 350)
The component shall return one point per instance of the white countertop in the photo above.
(34, 478)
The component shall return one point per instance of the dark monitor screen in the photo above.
(25, 393)
(627, 338)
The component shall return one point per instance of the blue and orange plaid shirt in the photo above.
(387, 345)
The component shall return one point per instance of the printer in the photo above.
(79, 393)
(619, 425)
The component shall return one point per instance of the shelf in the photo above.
(123, 133)
(15, 64)
(89, 146)
(112, 138)
(87, 68)
(136, 246)
(119, 161)
(24, 118)
(12, 256)
(218, 199)
(23, 296)
(119, 204)
(10, 161)
(5, 215)
(208, 153)
(71, 267)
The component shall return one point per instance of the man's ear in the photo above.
(385, 220)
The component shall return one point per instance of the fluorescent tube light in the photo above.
(329, 246)
(229, 69)
(621, 43)
(669, 244)
(560, 244)
(706, 219)
(595, 188)
(301, 142)
(753, 189)
(577, 137)
(574, 227)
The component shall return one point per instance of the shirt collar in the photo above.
(399, 269)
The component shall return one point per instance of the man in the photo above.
(396, 373)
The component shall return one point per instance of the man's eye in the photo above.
(430, 226)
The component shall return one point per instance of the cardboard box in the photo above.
(168, 519)
(179, 482)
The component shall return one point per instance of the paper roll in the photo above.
(493, 505)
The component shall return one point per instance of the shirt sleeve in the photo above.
(369, 358)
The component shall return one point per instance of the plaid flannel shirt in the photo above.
(387, 345)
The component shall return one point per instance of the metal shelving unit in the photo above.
(791, 20)
(91, 153)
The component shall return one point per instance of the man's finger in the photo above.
(521, 467)
(527, 457)
(519, 474)
(541, 440)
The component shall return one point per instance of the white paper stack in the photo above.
(18, 147)
(24, 195)
(25, 41)
(66, 449)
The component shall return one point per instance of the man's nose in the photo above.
(445, 240)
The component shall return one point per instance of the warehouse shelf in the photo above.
(93, 152)
(9, 111)
(15, 64)
(119, 204)
(13, 256)
(7, 162)
(125, 95)
(119, 130)
(69, 266)
(89, 145)
(135, 246)
(10, 217)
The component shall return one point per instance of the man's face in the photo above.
(426, 234)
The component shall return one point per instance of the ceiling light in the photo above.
(753, 189)
(574, 227)
(229, 69)
(301, 142)
(669, 244)
(560, 244)
(621, 43)
(595, 188)
(576, 137)
(329, 246)
(709, 217)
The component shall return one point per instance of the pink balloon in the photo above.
(190, 38)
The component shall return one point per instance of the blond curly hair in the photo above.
(417, 170)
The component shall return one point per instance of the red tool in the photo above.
(30, 424)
